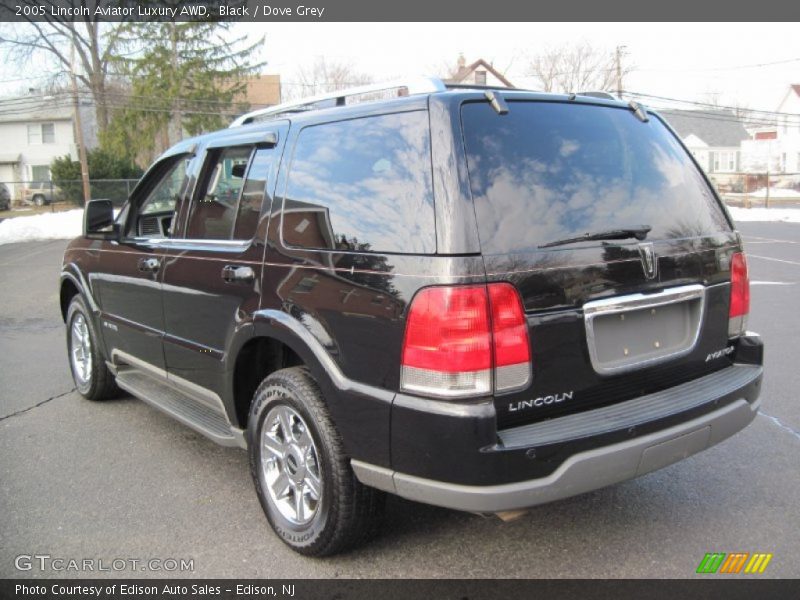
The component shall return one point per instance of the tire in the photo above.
(95, 382)
(38, 200)
(345, 513)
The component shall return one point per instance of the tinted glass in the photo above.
(215, 209)
(253, 194)
(549, 171)
(362, 185)
(168, 190)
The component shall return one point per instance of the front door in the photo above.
(127, 279)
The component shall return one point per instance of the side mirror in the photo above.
(238, 170)
(98, 221)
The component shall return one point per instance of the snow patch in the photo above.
(782, 193)
(46, 226)
(786, 215)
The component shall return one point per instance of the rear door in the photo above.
(212, 271)
(610, 319)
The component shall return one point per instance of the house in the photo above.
(478, 73)
(713, 136)
(262, 91)
(776, 148)
(35, 129)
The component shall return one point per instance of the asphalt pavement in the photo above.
(119, 480)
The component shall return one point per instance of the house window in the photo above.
(41, 133)
(723, 162)
(40, 173)
(480, 77)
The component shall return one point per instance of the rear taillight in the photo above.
(459, 339)
(512, 351)
(740, 296)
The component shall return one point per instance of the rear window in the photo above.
(549, 171)
(362, 185)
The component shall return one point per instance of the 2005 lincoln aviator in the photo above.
(477, 298)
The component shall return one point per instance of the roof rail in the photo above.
(418, 85)
(598, 94)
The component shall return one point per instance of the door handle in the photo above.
(232, 274)
(149, 265)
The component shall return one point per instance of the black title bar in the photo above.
(427, 589)
(396, 10)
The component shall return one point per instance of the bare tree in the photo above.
(55, 41)
(321, 76)
(576, 68)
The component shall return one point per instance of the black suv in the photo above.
(479, 299)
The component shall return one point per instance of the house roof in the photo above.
(464, 71)
(36, 108)
(714, 127)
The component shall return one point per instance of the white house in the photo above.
(713, 136)
(34, 130)
(776, 148)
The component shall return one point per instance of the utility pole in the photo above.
(619, 54)
(87, 191)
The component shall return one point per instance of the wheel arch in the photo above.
(360, 412)
(72, 284)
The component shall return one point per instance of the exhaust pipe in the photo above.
(507, 516)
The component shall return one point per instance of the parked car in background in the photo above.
(41, 193)
(5, 197)
(479, 299)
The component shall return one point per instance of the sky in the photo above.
(696, 62)
(677, 60)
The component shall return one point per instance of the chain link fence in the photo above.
(759, 190)
(64, 193)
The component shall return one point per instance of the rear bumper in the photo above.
(625, 441)
(581, 473)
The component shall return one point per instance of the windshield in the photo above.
(548, 171)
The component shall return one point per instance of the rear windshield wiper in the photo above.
(639, 233)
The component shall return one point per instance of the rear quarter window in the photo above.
(362, 185)
(548, 171)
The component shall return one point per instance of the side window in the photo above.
(155, 214)
(214, 211)
(165, 195)
(253, 194)
(362, 185)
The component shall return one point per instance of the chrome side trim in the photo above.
(196, 392)
(191, 244)
(638, 301)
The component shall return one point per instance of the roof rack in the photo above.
(598, 94)
(418, 85)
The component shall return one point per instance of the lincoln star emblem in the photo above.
(649, 260)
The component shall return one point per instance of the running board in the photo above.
(181, 407)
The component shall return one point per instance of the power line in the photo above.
(710, 105)
(734, 68)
